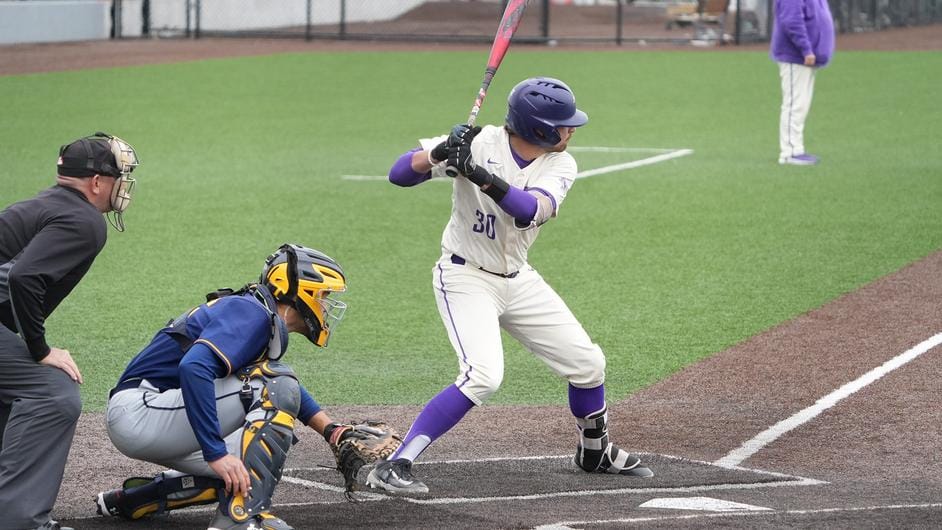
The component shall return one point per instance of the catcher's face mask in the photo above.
(322, 312)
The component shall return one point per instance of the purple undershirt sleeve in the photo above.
(402, 174)
(519, 204)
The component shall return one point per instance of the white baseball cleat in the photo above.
(395, 476)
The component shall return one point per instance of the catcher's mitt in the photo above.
(355, 445)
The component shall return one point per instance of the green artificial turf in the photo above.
(663, 264)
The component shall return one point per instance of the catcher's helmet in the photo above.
(537, 106)
(307, 280)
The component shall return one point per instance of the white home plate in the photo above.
(701, 503)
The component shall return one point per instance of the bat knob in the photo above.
(451, 171)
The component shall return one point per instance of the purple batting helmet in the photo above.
(537, 106)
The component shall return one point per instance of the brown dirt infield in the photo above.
(35, 58)
(873, 457)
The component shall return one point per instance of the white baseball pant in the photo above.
(475, 305)
(797, 91)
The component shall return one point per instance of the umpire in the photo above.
(47, 244)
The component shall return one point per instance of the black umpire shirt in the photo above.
(47, 244)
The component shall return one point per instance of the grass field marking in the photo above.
(603, 149)
(677, 153)
(764, 438)
(563, 525)
(661, 156)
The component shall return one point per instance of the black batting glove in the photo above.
(468, 134)
(439, 153)
(459, 134)
(459, 158)
(460, 139)
(462, 133)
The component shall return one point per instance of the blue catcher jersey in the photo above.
(227, 334)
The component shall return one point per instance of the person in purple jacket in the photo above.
(802, 42)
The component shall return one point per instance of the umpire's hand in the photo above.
(232, 471)
(62, 360)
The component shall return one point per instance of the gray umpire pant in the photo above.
(39, 408)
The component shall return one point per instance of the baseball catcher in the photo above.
(210, 398)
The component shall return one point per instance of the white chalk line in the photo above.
(635, 163)
(662, 156)
(620, 491)
(563, 525)
(603, 149)
(751, 447)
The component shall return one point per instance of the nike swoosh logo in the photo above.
(489, 161)
(400, 479)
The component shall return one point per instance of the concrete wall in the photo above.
(71, 20)
(54, 20)
(226, 15)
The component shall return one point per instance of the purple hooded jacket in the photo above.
(802, 27)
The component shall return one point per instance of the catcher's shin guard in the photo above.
(596, 454)
(266, 438)
(139, 496)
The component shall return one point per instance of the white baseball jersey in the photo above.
(479, 230)
(475, 302)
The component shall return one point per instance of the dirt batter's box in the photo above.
(502, 479)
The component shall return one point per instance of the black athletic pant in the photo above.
(39, 408)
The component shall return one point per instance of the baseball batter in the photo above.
(210, 399)
(513, 179)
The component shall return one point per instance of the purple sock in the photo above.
(440, 414)
(585, 401)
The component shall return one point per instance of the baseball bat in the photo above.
(505, 32)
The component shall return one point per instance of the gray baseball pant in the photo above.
(39, 408)
(146, 424)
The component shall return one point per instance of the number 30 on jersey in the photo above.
(485, 224)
